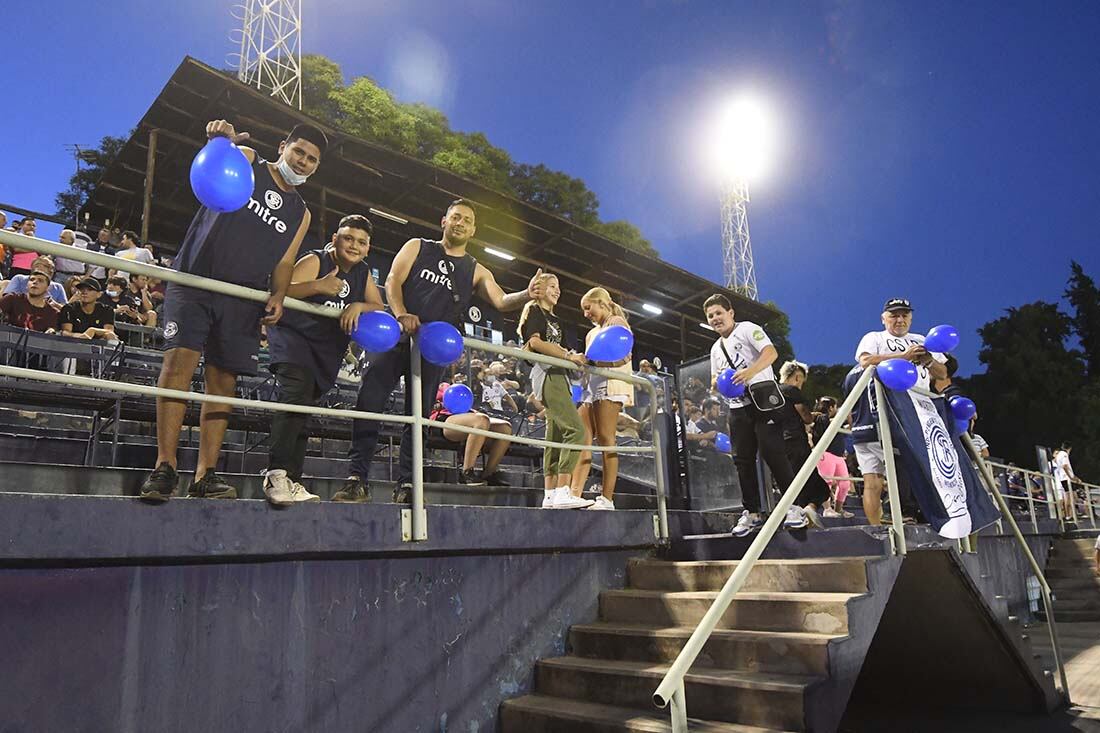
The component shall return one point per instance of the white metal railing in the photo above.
(418, 519)
(671, 691)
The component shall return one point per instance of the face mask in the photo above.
(288, 174)
(113, 293)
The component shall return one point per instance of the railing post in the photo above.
(658, 465)
(1031, 506)
(897, 532)
(678, 703)
(419, 515)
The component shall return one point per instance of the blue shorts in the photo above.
(226, 330)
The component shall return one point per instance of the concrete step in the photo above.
(823, 613)
(1083, 603)
(1076, 583)
(825, 575)
(1077, 594)
(1070, 616)
(544, 714)
(1086, 544)
(752, 651)
(768, 700)
(1060, 573)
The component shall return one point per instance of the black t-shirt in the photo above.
(73, 313)
(789, 419)
(543, 323)
(821, 424)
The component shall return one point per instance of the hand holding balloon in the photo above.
(727, 387)
(376, 331)
(722, 443)
(221, 176)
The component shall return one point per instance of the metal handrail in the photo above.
(419, 518)
(671, 688)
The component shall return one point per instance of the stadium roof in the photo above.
(357, 175)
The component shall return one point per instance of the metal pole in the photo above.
(658, 464)
(1031, 506)
(897, 533)
(679, 710)
(674, 677)
(987, 476)
(419, 516)
(147, 197)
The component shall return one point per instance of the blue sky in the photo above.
(945, 152)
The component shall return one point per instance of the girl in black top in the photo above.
(541, 332)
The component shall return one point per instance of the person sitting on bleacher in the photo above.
(138, 291)
(85, 317)
(18, 284)
(33, 309)
(307, 350)
(474, 444)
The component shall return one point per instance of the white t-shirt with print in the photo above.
(135, 254)
(744, 344)
(493, 394)
(878, 343)
(1062, 470)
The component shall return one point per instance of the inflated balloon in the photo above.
(221, 176)
(376, 331)
(722, 443)
(458, 399)
(727, 387)
(578, 394)
(440, 342)
(942, 339)
(961, 426)
(963, 408)
(897, 374)
(613, 343)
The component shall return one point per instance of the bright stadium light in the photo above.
(652, 309)
(743, 140)
(499, 253)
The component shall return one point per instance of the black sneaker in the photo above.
(470, 478)
(402, 493)
(494, 479)
(354, 491)
(211, 486)
(160, 484)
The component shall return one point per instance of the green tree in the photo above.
(1084, 297)
(825, 380)
(473, 156)
(368, 111)
(556, 192)
(321, 78)
(93, 163)
(1030, 391)
(779, 331)
(626, 234)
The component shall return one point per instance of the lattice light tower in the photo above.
(737, 261)
(271, 48)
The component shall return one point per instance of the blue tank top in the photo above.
(315, 342)
(243, 246)
(439, 286)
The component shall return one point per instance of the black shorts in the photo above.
(225, 329)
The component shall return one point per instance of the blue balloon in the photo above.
(727, 387)
(961, 426)
(578, 394)
(897, 374)
(458, 399)
(376, 331)
(942, 339)
(963, 408)
(440, 342)
(221, 176)
(722, 443)
(613, 343)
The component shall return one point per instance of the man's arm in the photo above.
(303, 278)
(395, 281)
(221, 128)
(767, 356)
(280, 278)
(486, 286)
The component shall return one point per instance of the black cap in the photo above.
(896, 304)
(90, 283)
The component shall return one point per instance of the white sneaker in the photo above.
(830, 513)
(746, 525)
(602, 503)
(548, 498)
(301, 495)
(812, 516)
(278, 489)
(564, 499)
(796, 518)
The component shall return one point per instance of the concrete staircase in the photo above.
(1071, 573)
(766, 668)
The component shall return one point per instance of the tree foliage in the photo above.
(364, 109)
(92, 164)
(1084, 298)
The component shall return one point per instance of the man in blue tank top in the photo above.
(307, 350)
(428, 281)
(255, 246)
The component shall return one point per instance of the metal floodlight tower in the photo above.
(270, 58)
(736, 243)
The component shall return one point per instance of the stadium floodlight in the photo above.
(499, 253)
(743, 147)
(652, 309)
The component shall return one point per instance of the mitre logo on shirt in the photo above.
(439, 278)
(264, 212)
(273, 199)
